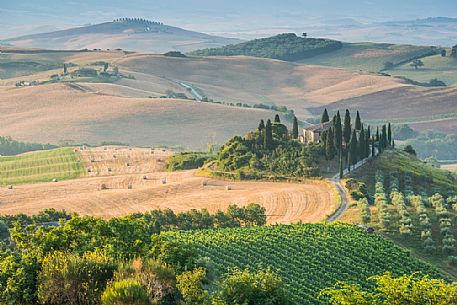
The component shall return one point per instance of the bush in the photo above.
(188, 160)
(126, 292)
(71, 279)
(190, 285)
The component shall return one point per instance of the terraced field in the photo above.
(60, 164)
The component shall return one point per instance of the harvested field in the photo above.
(284, 202)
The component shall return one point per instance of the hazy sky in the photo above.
(213, 16)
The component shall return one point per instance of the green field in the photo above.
(367, 56)
(442, 68)
(42, 166)
(309, 257)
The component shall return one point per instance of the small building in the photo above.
(313, 133)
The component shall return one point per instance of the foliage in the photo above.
(286, 46)
(125, 292)
(71, 279)
(308, 257)
(357, 189)
(435, 144)
(190, 285)
(407, 289)
(403, 132)
(251, 288)
(10, 147)
(188, 160)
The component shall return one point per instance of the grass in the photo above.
(436, 66)
(42, 166)
(367, 56)
(425, 176)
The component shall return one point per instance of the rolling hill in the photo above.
(129, 34)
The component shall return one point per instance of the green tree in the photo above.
(249, 288)
(389, 135)
(338, 133)
(353, 148)
(65, 69)
(404, 290)
(295, 129)
(358, 121)
(329, 145)
(268, 136)
(277, 119)
(190, 285)
(417, 63)
(72, 279)
(361, 144)
(347, 132)
(125, 292)
(325, 118)
(261, 126)
(443, 52)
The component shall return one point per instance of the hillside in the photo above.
(287, 47)
(308, 257)
(116, 181)
(126, 33)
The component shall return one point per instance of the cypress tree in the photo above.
(353, 148)
(347, 128)
(338, 133)
(372, 147)
(377, 134)
(361, 146)
(261, 125)
(277, 119)
(389, 134)
(341, 167)
(295, 128)
(393, 143)
(329, 146)
(268, 136)
(367, 142)
(358, 122)
(325, 118)
(384, 137)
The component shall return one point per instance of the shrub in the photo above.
(126, 292)
(188, 160)
(190, 285)
(71, 279)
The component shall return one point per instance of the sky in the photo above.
(229, 18)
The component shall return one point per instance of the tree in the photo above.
(417, 63)
(246, 287)
(341, 167)
(407, 289)
(347, 128)
(338, 133)
(261, 125)
(454, 52)
(367, 142)
(268, 136)
(389, 135)
(353, 148)
(277, 119)
(372, 147)
(105, 67)
(384, 137)
(295, 129)
(410, 150)
(65, 70)
(358, 122)
(329, 146)
(190, 285)
(443, 52)
(125, 292)
(325, 118)
(361, 144)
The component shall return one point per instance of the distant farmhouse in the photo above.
(313, 133)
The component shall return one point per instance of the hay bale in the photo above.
(114, 157)
(10, 187)
(228, 187)
(105, 148)
(89, 170)
(54, 180)
(103, 187)
(127, 164)
(205, 183)
(145, 177)
(109, 170)
(164, 181)
(130, 186)
(92, 160)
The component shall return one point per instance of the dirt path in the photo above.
(140, 187)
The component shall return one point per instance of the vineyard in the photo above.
(57, 164)
(309, 257)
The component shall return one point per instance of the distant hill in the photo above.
(125, 33)
(286, 46)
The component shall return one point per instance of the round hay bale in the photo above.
(164, 181)
(114, 157)
(109, 170)
(130, 186)
(89, 170)
(103, 187)
(127, 164)
(145, 177)
(10, 187)
(54, 180)
(152, 151)
(228, 187)
(92, 160)
(105, 148)
(205, 183)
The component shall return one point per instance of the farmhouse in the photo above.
(313, 133)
